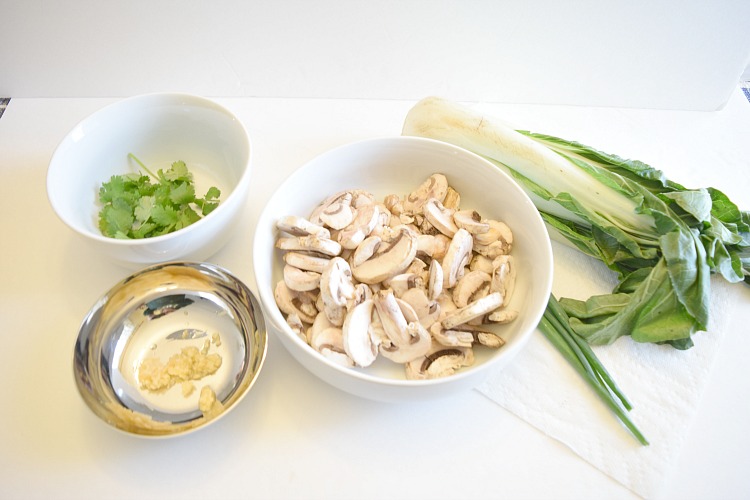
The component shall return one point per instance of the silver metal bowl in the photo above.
(146, 355)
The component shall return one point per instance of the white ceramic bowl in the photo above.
(159, 129)
(398, 165)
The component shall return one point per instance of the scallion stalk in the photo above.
(554, 326)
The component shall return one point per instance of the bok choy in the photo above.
(663, 240)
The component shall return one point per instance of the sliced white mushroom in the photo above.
(359, 343)
(362, 198)
(441, 361)
(309, 244)
(300, 303)
(299, 226)
(472, 285)
(471, 221)
(451, 338)
(330, 343)
(447, 306)
(433, 245)
(499, 232)
(364, 222)
(452, 199)
(336, 287)
(439, 217)
(427, 310)
(476, 309)
(390, 258)
(394, 204)
(403, 282)
(407, 340)
(336, 211)
(457, 256)
(435, 282)
(299, 280)
(306, 261)
(362, 292)
(504, 276)
(295, 323)
(435, 186)
(503, 316)
(479, 262)
(481, 335)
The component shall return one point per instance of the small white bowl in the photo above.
(397, 165)
(158, 129)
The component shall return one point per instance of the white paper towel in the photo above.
(663, 384)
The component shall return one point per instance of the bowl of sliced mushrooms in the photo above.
(401, 268)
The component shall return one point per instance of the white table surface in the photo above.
(293, 436)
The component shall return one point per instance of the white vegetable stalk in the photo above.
(447, 121)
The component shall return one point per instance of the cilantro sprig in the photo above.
(134, 207)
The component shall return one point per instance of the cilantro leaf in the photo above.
(133, 206)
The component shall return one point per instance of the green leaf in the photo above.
(182, 193)
(142, 211)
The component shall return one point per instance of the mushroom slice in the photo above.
(427, 310)
(366, 250)
(394, 204)
(441, 361)
(336, 287)
(504, 277)
(362, 292)
(406, 340)
(476, 309)
(471, 221)
(390, 258)
(451, 338)
(435, 186)
(482, 336)
(299, 226)
(299, 280)
(309, 244)
(481, 263)
(433, 245)
(306, 261)
(471, 286)
(503, 316)
(452, 199)
(499, 232)
(457, 256)
(362, 198)
(330, 343)
(403, 282)
(364, 222)
(295, 323)
(300, 303)
(359, 343)
(336, 211)
(439, 217)
(435, 282)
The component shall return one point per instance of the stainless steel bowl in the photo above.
(146, 355)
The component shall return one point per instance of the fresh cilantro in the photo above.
(134, 207)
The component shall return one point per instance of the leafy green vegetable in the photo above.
(663, 240)
(134, 207)
(555, 327)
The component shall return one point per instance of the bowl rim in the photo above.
(355, 372)
(238, 191)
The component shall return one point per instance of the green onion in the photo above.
(554, 326)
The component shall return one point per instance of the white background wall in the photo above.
(684, 54)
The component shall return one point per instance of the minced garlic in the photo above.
(207, 403)
(189, 364)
